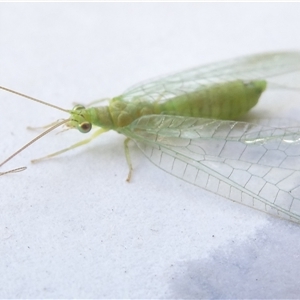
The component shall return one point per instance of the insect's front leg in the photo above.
(81, 143)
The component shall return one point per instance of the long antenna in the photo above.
(13, 171)
(27, 145)
(33, 99)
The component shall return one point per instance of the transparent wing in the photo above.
(252, 164)
(279, 69)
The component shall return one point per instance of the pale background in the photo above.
(72, 227)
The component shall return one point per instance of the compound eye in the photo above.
(85, 127)
(78, 107)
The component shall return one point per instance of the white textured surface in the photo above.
(72, 227)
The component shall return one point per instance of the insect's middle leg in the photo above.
(81, 143)
(128, 159)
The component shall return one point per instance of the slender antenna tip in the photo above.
(13, 171)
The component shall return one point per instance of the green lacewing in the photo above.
(186, 124)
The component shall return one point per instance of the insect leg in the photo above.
(43, 127)
(128, 159)
(94, 135)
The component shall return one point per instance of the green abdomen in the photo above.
(220, 101)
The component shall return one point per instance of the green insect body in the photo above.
(185, 124)
(216, 101)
